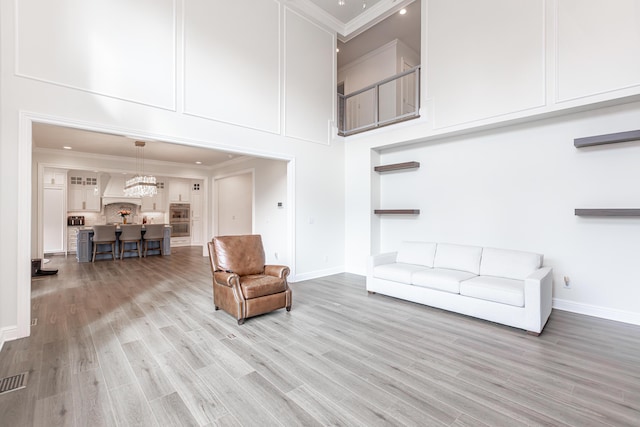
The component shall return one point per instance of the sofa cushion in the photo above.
(420, 253)
(497, 289)
(397, 272)
(458, 257)
(510, 264)
(256, 286)
(440, 279)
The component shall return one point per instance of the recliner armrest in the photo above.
(281, 271)
(224, 278)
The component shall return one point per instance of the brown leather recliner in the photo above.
(243, 285)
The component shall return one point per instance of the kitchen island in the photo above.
(84, 250)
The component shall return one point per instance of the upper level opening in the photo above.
(379, 73)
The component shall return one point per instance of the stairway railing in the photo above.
(392, 100)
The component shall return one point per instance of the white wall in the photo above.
(234, 203)
(504, 95)
(73, 69)
(517, 188)
(270, 221)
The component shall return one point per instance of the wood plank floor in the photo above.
(137, 342)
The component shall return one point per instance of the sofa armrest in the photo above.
(379, 259)
(281, 271)
(225, 279)
(538, 288)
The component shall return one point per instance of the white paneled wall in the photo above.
(232, 62)
(598, 47)
(309, 83)
(485, 59)
(509, 85)
(119, 48)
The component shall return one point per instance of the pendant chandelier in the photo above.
(140, 185)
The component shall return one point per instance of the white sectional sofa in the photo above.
(499, 285)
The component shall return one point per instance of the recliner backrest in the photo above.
(243, 255)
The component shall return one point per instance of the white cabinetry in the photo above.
(72, 238)
(196, 212)
(179, 190)
(54, 210)
(84, 191)
(54, 177)
(155, 203)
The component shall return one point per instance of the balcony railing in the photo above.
(392, 100)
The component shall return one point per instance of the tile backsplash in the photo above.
(109, 215)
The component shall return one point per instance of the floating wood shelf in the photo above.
(607, 212)
(397, 166)
(611, 138)
(397, 211)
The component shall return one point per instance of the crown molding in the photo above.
(347, 30)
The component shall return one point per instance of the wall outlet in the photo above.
(567, 282)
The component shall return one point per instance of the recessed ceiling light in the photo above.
(337, 50)
(66, 147)
(403, 11)
(198, 162)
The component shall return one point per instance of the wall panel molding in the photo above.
(595, 39)
(234, 80)
(76, 45)
(309, 80)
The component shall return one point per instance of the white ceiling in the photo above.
(352, 18)
(52, 137)
(402, 27)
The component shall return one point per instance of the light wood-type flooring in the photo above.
(137, 342)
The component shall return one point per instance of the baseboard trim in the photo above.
(597, 311)
(317, 274)
(8, 334)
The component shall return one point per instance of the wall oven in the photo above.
(179, 219)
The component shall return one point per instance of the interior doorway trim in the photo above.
(24, 206)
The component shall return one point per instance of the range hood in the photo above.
(114, 192)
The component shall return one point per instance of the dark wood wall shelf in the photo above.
(608, 212)
(397, 211)
(611, 138)
(397, 166)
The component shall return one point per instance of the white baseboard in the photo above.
(316, 274)
(8, 334)
(597, 311)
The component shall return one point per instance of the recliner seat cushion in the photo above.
(396, 272)
(509, 264)
(242, 255)
(458, 257)
(497, 289)
(440, 279)
(419, 253)
(256, 286)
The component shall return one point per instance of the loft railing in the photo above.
(386, 102)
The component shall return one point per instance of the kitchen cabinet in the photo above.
(84, 192)
(54, 210)
(179, 190)
(53, 220)
(54, 177)
(196, 212)
(155, 203)
(72, 238)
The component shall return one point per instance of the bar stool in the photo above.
(104, 235)
(153, 233)
(131, 233)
